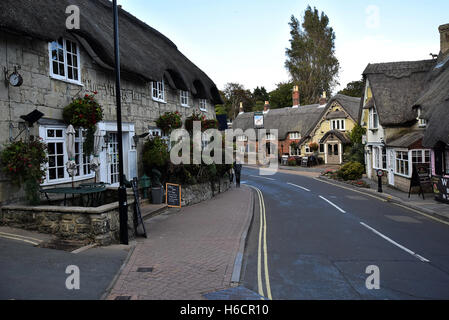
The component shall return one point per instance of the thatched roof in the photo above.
(144, 51)
(285, 120)
(340, 135)
(302, 119)
(395, 87)
(435, 105)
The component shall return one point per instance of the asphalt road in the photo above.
(31, 273)
(320, 240)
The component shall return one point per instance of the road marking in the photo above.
(17, 238)
(262, 177)
(333, 204)
(295, 185)
(395, 243)
(262, 247)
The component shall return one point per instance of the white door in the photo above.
(113, 169)
(391, 164)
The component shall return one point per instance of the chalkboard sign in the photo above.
(137, 213)
(173, 195)
(441, 188)
(420, 177)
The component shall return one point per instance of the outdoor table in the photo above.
(93, 193)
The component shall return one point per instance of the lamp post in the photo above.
(123, 206)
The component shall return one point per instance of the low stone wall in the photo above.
(99, 225)
(193, 194)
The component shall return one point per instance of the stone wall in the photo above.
(194, 194)
(91, 225)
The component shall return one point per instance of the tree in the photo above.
(282, 96)
(354, 89)
(260, 94)
(311, 59)
(233, 94)
(356, 150)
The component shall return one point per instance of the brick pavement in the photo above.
(192, 250)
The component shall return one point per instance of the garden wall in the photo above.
(193, 194)
(92, 225)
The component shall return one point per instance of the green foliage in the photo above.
(356, 151)
(23, 163)
(169, 121)
(291, 161)
(351, 171)
(232, 95)
(155, 158)
(354, 89)
(84, 113)
(281, 97)
(311, 59)
(260, 94)
(220, 110)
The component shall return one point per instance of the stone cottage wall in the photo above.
(50, 96)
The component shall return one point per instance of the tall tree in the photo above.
(311, 59)
(260, 94)
(354, 89)
(233, 94)
(282, 96)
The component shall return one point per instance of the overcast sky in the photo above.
(244, 41)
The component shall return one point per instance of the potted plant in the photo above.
(24, 163)
(155, 160)
(84, 113)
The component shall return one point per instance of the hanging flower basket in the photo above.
(169, 121)
(84, 113)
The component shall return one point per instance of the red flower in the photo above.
(86, 96)
(95, 92)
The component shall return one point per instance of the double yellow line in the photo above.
(17, 237)
(262, 248)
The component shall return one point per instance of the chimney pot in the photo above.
(323, 99)
(266, 107)
(444, 39)
(295, 96)
(241, 108)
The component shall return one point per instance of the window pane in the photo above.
(52, 174)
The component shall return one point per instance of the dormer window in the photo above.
(158, 90)
(295, 136)
(422, 123)
(65, 61)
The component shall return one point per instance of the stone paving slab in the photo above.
(189, 252)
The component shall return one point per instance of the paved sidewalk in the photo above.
(429, 205)
(189, 252)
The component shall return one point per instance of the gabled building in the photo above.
(394, 133)
(326, 123)
(58, 64)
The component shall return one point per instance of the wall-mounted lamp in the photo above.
(30, 119)
(136, 138)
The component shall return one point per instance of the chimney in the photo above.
(266, 107)
(323, 99)
(444, 40)
(295, 96)
(241, 108)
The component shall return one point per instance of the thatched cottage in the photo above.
(57, 64)
(326, 124)
(405, 112)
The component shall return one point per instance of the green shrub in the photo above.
(351, 171)
(292, 161)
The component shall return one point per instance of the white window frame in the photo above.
(203, 105)
(297, 153)
(242, 138)
(372, 124)
(270, 137)
(307, 149)
(65, 62)
(338, 124)
(158, 91)
(407, 163)
(378, 157)
(184, 98)
(295, 136)
(423, 153)
(66, 179)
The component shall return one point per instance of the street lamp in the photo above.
(123, 206)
